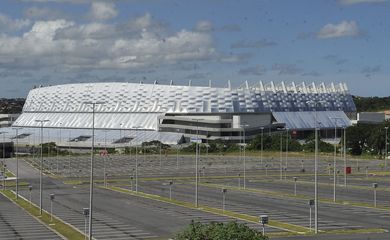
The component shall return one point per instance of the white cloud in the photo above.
(58, 1)
(87, 31)
(149, 49)
(10, 25)
(136, 44)
(256, 70)
(204, 26)
(43, 13)
(255, 44)
(103, 10)
(352, 2)
(343, 29)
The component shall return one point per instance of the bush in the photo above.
(219, 231)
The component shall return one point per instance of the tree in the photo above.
(219, 231)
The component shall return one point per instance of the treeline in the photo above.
(274, 142)
(368, 139)
(361, 139)
(371, 104)
(12, 105)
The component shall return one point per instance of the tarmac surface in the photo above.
(268, 191)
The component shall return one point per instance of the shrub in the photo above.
(219, 231)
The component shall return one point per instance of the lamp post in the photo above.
(17, 162)
(4, 164)
(93, 104)
(311, 203)
(69, 163)
(177, 157)
(386, 147)
(136, 159)
(224, 190)
(170, 189)
(316, 103)
(159, 143)
(29, 191)
(52, 196)
(86, 214)
(244, 148)
(375, 186)
(59, 141)
(104, 159)
(281, 156)
(295, 186)
(334, 157)
(345, 155)
(263, 221)
(41, 165)
(261, 150)
(287, 137)
(197, 153)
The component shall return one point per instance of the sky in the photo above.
(50, 42)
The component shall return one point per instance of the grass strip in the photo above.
(13, 183)
(323, 184)
(63, 228)
(9, 173)
(272, 223)
(298, 196)
(356, 231)
(252, 176)
(289, 229)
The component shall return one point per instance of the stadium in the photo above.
(131, 113)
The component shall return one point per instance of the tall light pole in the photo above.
(281, 155)
(4, 169)
(42, 121)
(386, 147)
(17, 162)
(244, 147)
(69, 163)
(287, 137)
(345, 155)
(136, 159)
(261, 152)
(104, 159)
(334, 157)
(93, 104)
(316, 103)
(159, 138)
(59, 141)
(197, 153)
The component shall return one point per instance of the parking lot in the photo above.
(268, 191)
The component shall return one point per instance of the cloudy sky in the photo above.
(48, 42)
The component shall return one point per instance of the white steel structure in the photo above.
(171, 108)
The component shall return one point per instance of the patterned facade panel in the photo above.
(153, 98)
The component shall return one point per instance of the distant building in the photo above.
(371, 117)
(159, 112)
(6, 120)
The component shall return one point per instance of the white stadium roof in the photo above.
(130, 105)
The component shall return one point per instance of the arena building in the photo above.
(131, 113)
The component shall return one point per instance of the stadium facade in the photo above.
(185, 112)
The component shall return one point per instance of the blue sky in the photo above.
(48, 42)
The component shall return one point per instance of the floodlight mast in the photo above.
(316, 103)
(92, 164)
(41, 121)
